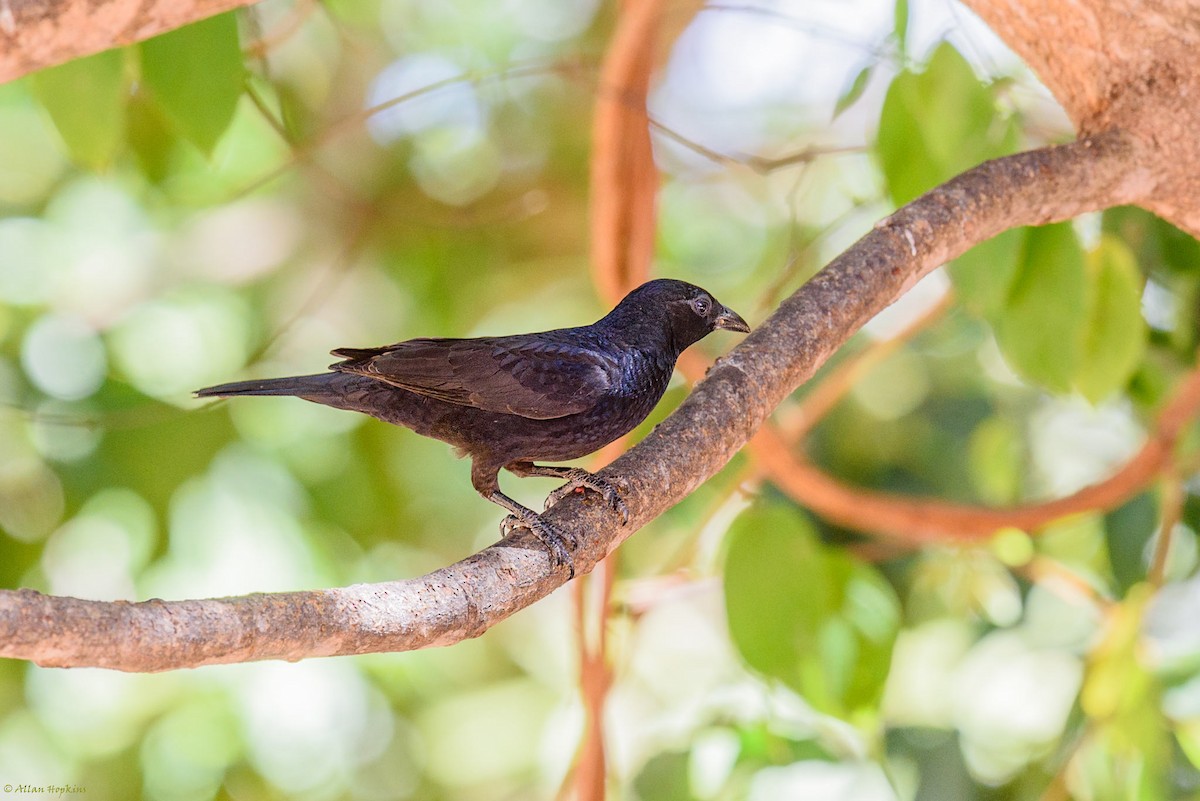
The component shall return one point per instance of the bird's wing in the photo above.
(539, 376)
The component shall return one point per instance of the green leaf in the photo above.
(907, 163)
(996, 458)
(196, 74)
(1040, 327)
(151, 137)
(853, 91)
(809, 616)
(937, 123)
(900, 25)
(85, 98)
(1187, 734)
(1155, 242)
(983, 276)
(1115, 333)
(664, 778)
(1150, 384)
(1171, 257)
(1127, 530)
(1123, 703)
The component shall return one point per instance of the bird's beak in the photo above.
(730, 320)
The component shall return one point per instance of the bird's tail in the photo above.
(304, 386)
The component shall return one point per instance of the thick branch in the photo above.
(35, 34)
(719, 417)
(1126, 65)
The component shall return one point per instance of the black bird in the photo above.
(511, 401)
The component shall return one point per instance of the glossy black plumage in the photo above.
(510, 401)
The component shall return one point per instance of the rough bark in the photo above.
(717, 419)
(1127, 66)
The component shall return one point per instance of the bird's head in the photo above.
(685, 312)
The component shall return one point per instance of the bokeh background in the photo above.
(238, 197)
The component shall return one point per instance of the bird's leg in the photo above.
(556, 541)
(484, 478)
(576, 478)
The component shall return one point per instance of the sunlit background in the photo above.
(135, 267)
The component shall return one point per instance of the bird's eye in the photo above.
(701, 306)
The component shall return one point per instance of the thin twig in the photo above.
(763, 165)
(284, 30)
(352, 122)
(1171, 500)
(800, 255)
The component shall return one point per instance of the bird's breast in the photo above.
(643, 380)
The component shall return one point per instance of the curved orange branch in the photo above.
(624, 189)
(921, 520)
(624, 179)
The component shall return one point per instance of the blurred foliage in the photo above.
(937, 122)
(833, 620)
(241, 195)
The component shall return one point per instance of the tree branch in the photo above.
(717, 419)
(914, 520)
(917, 520)
(624, 179)
(1120, 66)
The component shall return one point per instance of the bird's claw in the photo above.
(555, 539)
(585, 480)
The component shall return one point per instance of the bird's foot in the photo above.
(579, 479)
(558, 542)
